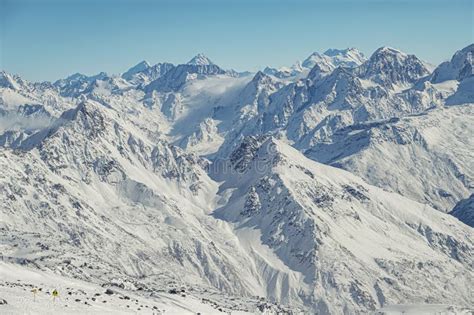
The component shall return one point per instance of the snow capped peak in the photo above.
(200, 60)
(270, 70)
(295, 71)
(333, 58)
(75, 76)
(83, 107)
(389, 66)
(78, 83)
(261, 77)
(316, 58)
(388, 50)
(296, 67)
(80, 77)
(349, 57)
(460, 67)
(8, 81)
(335, 52)
(174, 79)
(387, 55)
(143, 72)
(140, 67)
(326, 62)
(317, 72)
(101, 75)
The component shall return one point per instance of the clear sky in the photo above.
(50, 39)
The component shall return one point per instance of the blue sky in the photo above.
(49, 39)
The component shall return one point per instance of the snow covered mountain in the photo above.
(322, 188)
(458, 68)
(324, 224)
(342, 116)
(327, 62)
(200, 60)
(198, 67)
(9, 81)
(376, 89)
(129, 198)
(432, 136)
(143, 73)
(78, 84)
(390, 67)
(139, 67)
(349, 57)
(435, 145)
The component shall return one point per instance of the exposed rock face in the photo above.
(464, 211)
(390, 67)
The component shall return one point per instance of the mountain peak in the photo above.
(335, 52)
(8, 81)
(75, 76)
(200, 60)
(390, 66)
(261, 78)
(317, 59)
(386, 50)
(139, 67)
(460, 67)
(387, 55)
(333, 58)
(143, 65)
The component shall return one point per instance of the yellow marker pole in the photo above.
(55, 294)
(34, 290)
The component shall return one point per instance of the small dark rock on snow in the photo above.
(109, 292)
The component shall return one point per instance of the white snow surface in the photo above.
(79, 297)
(423, 310)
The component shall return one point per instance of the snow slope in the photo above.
(101, 194)
(423, 310)
(80, 297)
(325, 225)
(401, 154)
